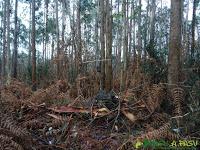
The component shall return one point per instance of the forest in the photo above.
(99, 74)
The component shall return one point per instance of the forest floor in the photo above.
(61, 117)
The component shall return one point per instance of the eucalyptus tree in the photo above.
(139, 33)
(15, 51)
(102, 41)
(4, 39)
(57, 39)
(33, 48)
(125, 45)
(79, 41)
(8, 64)
(174, 66)
(151, 45)
(108, 64)
(195, 4)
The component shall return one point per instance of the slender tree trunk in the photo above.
(1, 34)
(46, 26)
(52, 49)
(146, 31)
(15, 42)
(134, 29)
(195, 4)
(79, 43)
(139, 34)
(125, 47)
(4, 40)
(102, 39)
(185, 34)
(108, 67)
(29, 42)
(151, 45)
(63, 24)
(62, 73)
(130, 27)
(34, 86)
(119, 38)
(97, 35)
(8, 64)
(175, 42)
(58, 42)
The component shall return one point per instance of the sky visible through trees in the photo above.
(25, 15)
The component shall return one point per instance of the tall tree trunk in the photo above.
(195, 4)
(151, 45)
(29, 42)
(52, 49)
(4, 40)
(125, 47)
(186, 34)
(134, 29)
(97, 35)
(8, 64)
(119, 38)
(102, 39)
(139, 34)
(46, 30)
(79, 43)
(57, 42)
(175, 42)
(108, 65)
(15, 42)
(146, 30)
(34, 87)
(62, 74)
(1, 34)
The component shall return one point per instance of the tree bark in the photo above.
(102, 39)
(139, 34)
(8, 64)
(29, 42)
(186, 34)
(125, 47)
(195, 4)
(4, 40)
(97, 54)
(34, 86)
(15, 54)
(58, 42)
(79, 43)
(108, 67)
(174, 66)
(151, 45)
(46, 30)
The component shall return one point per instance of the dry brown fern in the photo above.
(172, 136)
(154, 98)
(6, 143)
(12, 95)
(178, 98)
(162, 132)
(33, 124)
(19, 135)
(157, 120)
(50, 93)
(19, 89)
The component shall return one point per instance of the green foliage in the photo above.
(156, 72)
(51, 26)
(87, 7)
(117, 15)
(23, 34)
